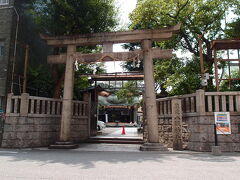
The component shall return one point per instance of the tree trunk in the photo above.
(57, 89)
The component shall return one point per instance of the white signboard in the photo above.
(222, 121)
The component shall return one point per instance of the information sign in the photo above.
(222, 121)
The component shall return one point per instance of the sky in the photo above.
(125, 8)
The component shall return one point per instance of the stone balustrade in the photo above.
(202, 102)
(41, 106)
(164, 105)
(35, 121)
(222, 102)
(197, 121)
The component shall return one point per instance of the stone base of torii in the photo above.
(146, 37)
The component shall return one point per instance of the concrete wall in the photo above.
(27, 132)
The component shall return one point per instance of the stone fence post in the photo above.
(200, 101)
(24, 104)
(177, 124)
(9, 103)
(86, 97)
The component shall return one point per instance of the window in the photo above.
(1, 48)
(4, 2)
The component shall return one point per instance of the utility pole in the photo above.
(25, 69)
(201, 55)
(203, 79)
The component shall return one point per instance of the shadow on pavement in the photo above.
(84, 160)
(88, 159)
(226, 157)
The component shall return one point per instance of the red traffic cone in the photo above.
(123, 131)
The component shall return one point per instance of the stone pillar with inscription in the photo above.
(177, 124)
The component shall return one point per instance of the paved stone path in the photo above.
(116, 162)
(117, 132)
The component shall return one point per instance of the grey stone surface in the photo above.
(20, 132)
(198, 133)
(216, 150)
(165, 132)
(153, 147)
(90, 162)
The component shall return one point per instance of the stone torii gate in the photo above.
(147, 53)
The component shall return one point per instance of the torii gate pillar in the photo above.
(150, 101)
(150, 95)
(67, 95)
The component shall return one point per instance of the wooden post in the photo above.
(25, 69)
(68, 95)
(201, 55)
(24, 104)
(216, 68)
(150, 96)
(177, 124)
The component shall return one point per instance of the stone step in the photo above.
(115, 140)
(63, 145)
(153, 147)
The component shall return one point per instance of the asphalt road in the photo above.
(90, 162)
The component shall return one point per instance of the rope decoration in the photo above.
(79, 58)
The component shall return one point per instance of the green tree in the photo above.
(197, 17)
(233, 30)
(61, 17)
(39, 81)
(82, 82)
(234, 85)
(185, 79)
(128, 92)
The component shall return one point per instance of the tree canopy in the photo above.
(197, 17)
(233, 30)
(61, 17)
(128, 92)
